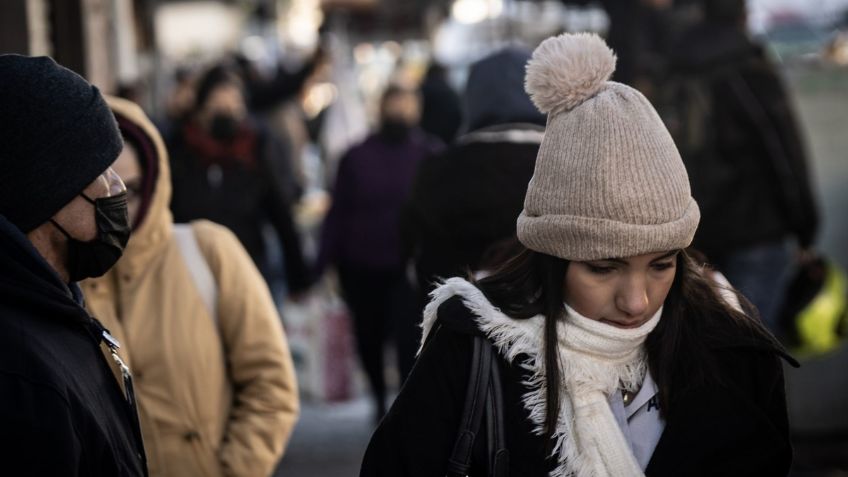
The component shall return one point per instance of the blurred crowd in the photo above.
(240, 214)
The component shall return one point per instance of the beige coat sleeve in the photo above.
(265, 404)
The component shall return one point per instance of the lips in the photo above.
(624, 324)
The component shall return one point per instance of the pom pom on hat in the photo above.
(568, 69)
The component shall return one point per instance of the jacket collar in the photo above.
(27, 280)
(518, 133)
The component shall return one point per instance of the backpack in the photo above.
(686, 104)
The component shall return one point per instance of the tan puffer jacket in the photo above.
(217, 397)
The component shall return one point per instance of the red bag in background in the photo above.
(339, 354)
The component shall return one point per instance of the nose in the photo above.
(632, 296)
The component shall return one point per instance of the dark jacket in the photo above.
(465, 202)
(751, 178)
(372, 182)
(739, 428)
(62, 413)
(441, 109)
(242, 194)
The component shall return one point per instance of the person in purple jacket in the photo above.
(361, 234)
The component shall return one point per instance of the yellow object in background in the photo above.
(822, 324)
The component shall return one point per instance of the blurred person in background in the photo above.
(733, 121)
(179, 101)
(633, 36)
(230, 169)
(265, 92)
(63, 218)
(441, 108)
(275, 98)
(361, 234)
(215, 381)
(462, 208)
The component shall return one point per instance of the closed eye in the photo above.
(662, 265)
(600, 269)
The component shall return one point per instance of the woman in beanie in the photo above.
(615, 355)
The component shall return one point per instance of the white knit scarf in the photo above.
(596, 359)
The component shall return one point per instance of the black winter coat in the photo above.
(737, 429)
(465, 201)
(242, 195)
(62, 413)
(751, 181)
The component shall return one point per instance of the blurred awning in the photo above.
(398, 19)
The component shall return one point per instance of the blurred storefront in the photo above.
(105, 40)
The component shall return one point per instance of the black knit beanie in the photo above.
(56, 136)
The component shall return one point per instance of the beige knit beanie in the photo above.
(609, 182)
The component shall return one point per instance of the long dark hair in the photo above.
(531, 284)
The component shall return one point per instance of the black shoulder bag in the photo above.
(483, 395)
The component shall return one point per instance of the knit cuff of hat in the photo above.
(588, 238)
(83, 150)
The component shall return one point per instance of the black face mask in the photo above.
(95, 257)
(224, 127)
(395, 130)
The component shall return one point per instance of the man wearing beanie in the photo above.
(63, 218)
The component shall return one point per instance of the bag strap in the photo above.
(197, 266)
(484, 394)
(498, 453)
(475, 396)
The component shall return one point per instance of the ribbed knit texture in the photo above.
(609, 181)
(57, 136)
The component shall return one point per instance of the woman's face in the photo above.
(225, 99)
(622, 292)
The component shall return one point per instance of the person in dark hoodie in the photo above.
(747, 162)
(462, 208)
(63, 218)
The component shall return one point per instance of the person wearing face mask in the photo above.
(63, 218)
(611, 352)
(228, 168)
(361, 234)
(216, 387)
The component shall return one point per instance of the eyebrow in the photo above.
(668, 255)
(621, 261)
